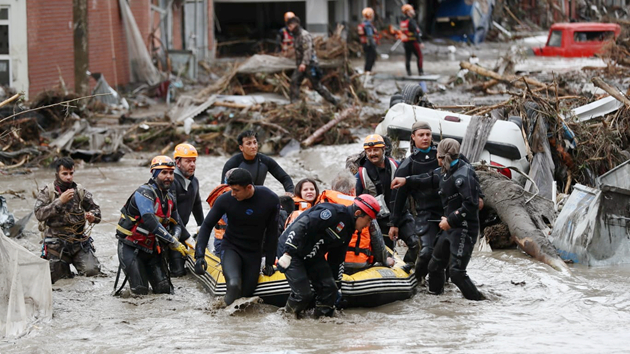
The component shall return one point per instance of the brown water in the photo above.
(532, 308)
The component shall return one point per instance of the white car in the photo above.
(505, 145)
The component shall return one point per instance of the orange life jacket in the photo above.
(360, 247)
(137, 235)
(287, 39)
(406, 34)
(219, 228)
(301, 204)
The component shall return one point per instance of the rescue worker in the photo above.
(285, 38)
(252, 228)
(375, 175)
(323, 229)
(459, 189)
(185, 189)
(149, 221)
(62, 208)
(219, 228)
(411, 36)
(256, 164)
(307, 64)
(367, 246)
(368, 37)
(427, 203)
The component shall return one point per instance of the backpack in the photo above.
(41, 226)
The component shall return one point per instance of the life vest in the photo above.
(294, 215)
(406, 34)
(221, 226)
(363, 35)
(287, 39)
(360, 248)
(132, 226)
(369, 185)
(301, 204)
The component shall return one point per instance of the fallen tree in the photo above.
(525, 216)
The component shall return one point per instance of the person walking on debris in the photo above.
(368, 37)
(62, 208)
(411, 38)
(252, 213)
(427, 203)
(185, 189)
(459, 188)
(323, 229)
(149, 221)
(285, 38)
(256, 164)
(375, 175)
(307, 64)
(367, 246)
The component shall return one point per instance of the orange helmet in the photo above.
(373, 140)
(368, 204)
(288, 15)
(368, 13)
(185, 150)
(162, 162)
(406, 8)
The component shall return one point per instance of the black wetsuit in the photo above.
(323, 229)
(187, 199)
(259, 167)
(427, 203)
(252, 227)
(459, 190)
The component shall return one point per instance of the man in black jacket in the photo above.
(256, 164)
(323, 229)
(185, 188)
(252, 229)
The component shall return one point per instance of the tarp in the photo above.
(25, 289)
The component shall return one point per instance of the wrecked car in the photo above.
(572, 40)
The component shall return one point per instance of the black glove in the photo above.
(201, 266)
(268, 270)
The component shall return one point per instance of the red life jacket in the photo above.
(363, 36)
(406, 34)
(287, 39)
(137, 235)
(219, 228)
(360, 247)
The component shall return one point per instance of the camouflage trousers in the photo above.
(61, 254)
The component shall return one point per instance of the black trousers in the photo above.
(407, 233)
(457, 244)
(301, 274)
(313, 74)
(241, 271)
(413, 48)
(427, 233)
(142, 269)
(370, 56)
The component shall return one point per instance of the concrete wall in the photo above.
(18, 43)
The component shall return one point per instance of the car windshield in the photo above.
(555, 39)
(592, 36)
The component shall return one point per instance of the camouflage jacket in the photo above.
(304, 50)
(65, 220)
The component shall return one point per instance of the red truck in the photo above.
(579, 39)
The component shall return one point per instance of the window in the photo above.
(592, 36)
(5, 59)
(555, 40)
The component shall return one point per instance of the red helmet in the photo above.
(368, 204)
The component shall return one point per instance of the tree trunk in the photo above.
(524, 220)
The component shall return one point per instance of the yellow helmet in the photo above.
(368, 13)
(373, 140)
(288, 15)
(185, 150)
(162, 162)
(406, 8)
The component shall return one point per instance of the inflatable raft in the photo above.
(371, 287)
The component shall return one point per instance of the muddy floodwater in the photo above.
(532, 308)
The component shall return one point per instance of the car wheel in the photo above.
(395, 99)
(412, 94)
(516, 120)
